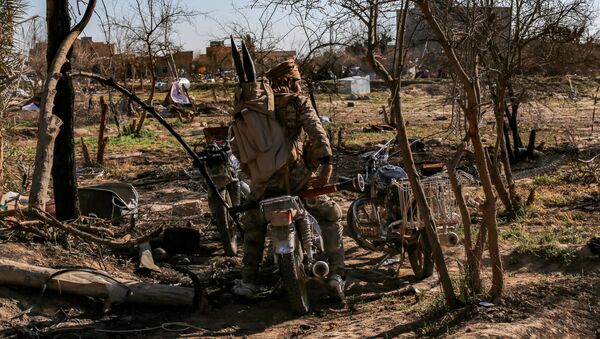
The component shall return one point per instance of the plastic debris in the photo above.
(325, 119)
(31, 107)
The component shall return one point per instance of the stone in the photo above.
(186, 208)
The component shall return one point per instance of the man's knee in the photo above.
(325, 210)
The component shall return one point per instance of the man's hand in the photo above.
(322, 179)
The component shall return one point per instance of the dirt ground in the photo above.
(552, 278)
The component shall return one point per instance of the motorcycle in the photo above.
(385, 218)
(296, 240)
(224, 170)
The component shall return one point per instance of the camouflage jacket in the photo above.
(308, 138)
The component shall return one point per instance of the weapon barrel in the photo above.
(237, 61)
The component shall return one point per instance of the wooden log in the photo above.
(87, 284)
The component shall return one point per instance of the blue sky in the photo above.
(204, 28)
(209, 25)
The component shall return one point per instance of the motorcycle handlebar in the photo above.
(356, 184)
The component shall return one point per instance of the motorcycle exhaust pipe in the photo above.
(320, 269)
(449, 239)
(452, 239)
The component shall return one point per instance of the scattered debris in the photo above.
(124, 156)
(435, 142)
(90, 172)
(211, 109)
(325, 119)
(13, 200)
(594, 244)
(416, 145)
(112, 201)
(396, 293)
(31, 107)
(380, 128)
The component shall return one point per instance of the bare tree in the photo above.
(523, 26)
(48, 123)
(150, 25)
(466, 70)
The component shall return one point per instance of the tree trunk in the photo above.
(48, 128)
(473, 263)
(102, 140)
(497, 181)
(502, 149)
(138, 129)
(423, 207)
(48, 123)
(531, 143)
(489, 204)
(64, 167)
(512, 115)
(472, 117)
(1, 164)
(393, 83)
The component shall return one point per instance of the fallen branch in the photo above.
(94, 229)
(42, 219)
(48, 219)
(395, 293)
(92, 285)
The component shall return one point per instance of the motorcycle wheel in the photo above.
(294, 280)
(420, 258)
(352, 225)
(225, 225)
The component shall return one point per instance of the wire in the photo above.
(177, 326)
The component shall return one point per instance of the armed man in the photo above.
(308, 165)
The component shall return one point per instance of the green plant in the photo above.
(546, 180)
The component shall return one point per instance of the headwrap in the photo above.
(285, 69)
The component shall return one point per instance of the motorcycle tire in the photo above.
(294, 280)
(420, 257)
(350, 227)
(225, 226)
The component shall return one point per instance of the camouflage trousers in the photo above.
(328, 214)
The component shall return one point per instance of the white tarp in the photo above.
(31, 107)
(354, 85)
(177, 94)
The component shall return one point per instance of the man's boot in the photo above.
(336, 286)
